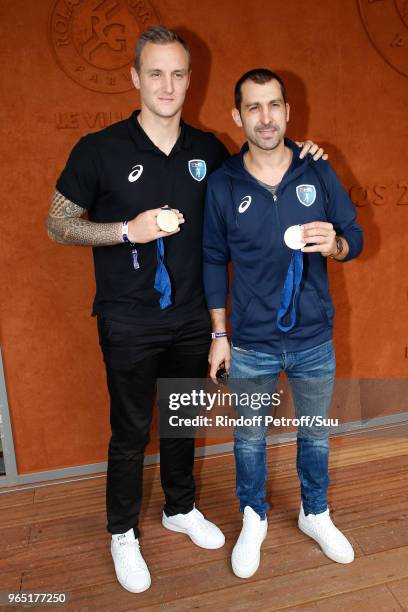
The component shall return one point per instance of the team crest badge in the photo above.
(197, 169)
(306, 194)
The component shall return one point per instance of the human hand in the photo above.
(322, 235)
(143, 228)
(219, 356)
(310, 147)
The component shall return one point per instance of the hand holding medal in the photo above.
(321, 238)
(153, 224)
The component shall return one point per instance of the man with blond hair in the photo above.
(142, 184)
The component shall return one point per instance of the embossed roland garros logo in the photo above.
(93, 40)
(386, 22)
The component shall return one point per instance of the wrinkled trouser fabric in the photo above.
(135, 356)
(311, 377)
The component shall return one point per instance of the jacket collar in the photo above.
(235, 166)
(144, 143)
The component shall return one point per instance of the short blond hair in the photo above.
(159, 35)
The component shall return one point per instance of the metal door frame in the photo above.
(6, 435)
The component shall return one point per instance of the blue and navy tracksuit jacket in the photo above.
(245, 224)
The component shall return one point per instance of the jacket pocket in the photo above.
(257, 321)
(114, 332)
(310, 308)
(104, 328)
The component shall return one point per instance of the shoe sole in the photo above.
(171, 527)
(248, 574)
(328, 554)
(134, 590)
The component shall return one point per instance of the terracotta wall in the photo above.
(346, 67)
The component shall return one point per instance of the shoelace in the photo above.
(326, 527)
(196, 519)
(247, 536)
(129, 553)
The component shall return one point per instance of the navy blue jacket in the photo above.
(244, 224)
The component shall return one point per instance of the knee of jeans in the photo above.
(251, 436)
(314, 432)
(322, 443)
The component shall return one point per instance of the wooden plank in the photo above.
(295, 588)
(385, 536)
(400, 591)
(70, 529)
(169, 567)
(343, 455)
(53, 543)
(14, 537)
(283, 502)
(21, 515)
(10, 581)
(57, 538)
(89, 486)
(54, 557)
(20, 498)
(282, 529)
(376, 598)
(17, 516)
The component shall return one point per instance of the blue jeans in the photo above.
(311, 377)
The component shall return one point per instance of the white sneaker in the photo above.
(246, 553)
(131, 569)
(321, 528)
(202, 532)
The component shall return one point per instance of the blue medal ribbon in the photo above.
(162, 280)
(289, 297)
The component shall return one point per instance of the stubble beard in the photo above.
(269, 145)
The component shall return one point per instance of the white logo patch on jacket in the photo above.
(136, 173)
(245, 204)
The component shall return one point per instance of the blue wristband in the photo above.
(219, 334)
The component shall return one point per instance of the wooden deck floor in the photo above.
(54, 539)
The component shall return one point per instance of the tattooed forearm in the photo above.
(66, 225)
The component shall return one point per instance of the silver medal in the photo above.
(293, 237)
